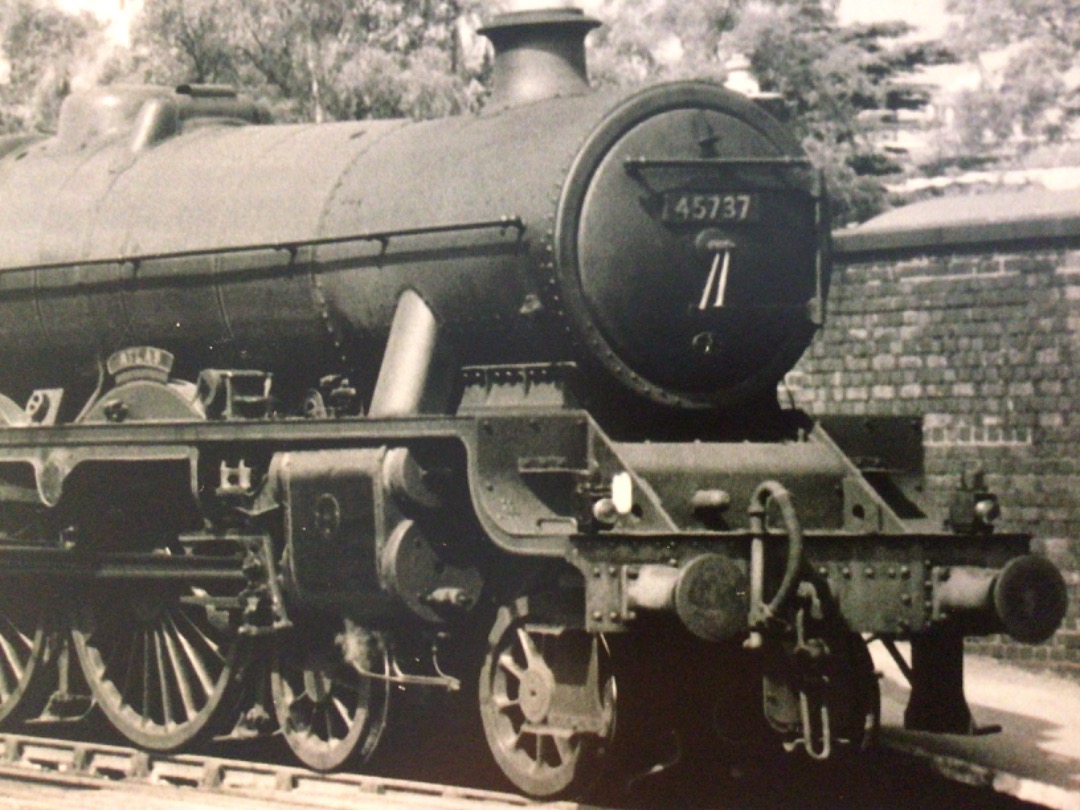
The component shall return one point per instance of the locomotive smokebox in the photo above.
(538, 54)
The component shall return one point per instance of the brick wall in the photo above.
(984, 345)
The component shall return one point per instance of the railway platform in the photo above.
(1035, 757)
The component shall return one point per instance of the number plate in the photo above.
(694, 206)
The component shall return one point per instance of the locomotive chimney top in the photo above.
(539, 53)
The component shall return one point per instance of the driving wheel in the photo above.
(159, 661)
(23, 642)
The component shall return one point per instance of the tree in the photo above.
(315, 59)
(645, 41)
(1038, 44)
(45, 50)
(830, 78)
(825, 76)
(187, 38)
(340, 59)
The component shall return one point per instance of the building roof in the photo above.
(947, 224)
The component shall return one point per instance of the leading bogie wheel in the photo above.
(547, 703)
(329, 712)
(159, 660)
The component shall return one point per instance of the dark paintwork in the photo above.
(623, 296)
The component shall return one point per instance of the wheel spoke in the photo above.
(308, 719)
(183, 685)
(195, 660)
(207, 640)
(10, 640)
(12, 630)
(11, 655)
(6, 687)
(23, 640)
(563, 747)
(145, 677)
(342, 710)
(533, 657)
(546, 758)
(157, 677)
(13, 634)
(289, 695)
(512, 738)
(507, 662)
(166, 692)
(327, 714)
(537, 757)
(129, 671)
(116, 651)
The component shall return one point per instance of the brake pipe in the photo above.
(760, 613)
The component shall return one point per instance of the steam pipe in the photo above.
(414, 377)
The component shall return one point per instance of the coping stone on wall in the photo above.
(966, 223)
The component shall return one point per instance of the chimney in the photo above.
(538, 54)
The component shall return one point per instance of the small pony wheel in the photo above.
(329, 713)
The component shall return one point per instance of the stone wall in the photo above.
(982, 343)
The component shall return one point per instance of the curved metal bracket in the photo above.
(760, 612)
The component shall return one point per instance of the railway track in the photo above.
(41, 773)
(41, 768)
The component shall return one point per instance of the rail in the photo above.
(81, 764)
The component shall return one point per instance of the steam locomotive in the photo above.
(485, 405)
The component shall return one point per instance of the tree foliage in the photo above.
(644, 41)
(1036, 92)
(44, 50)
(824, 76)
(830, 78)
(314, 59)
(344, 59)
